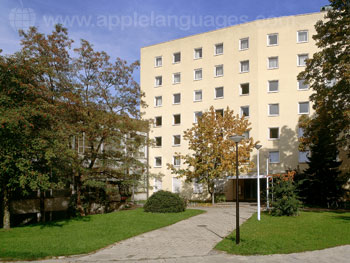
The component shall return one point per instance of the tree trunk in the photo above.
(213, 197)
(6, 207)
(79, 205)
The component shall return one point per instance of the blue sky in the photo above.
(121, 27)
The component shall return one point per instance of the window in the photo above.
(302, 60)
(274, 133)
(272, 63)
(219, 70)
(219, 112)
(244, 43)
(198, 95)
(198, 53)
(158, 101)
(273, 86)
(244, 89)
(274, 157)
(303, 107)
(197, 114)
(300, 132)
(272, 39)
(244, 66)
(158, 61)
(176, 185)
(303, 36)
(219, 92)
(245, 111)
(158, 121)
(158, 81)
(158, 161)
(176, 140)
(176, 119)
(304, 156)
(176, 160)
(274, 109)
(219, 49)
(302, 85)
(246, 135)
(157, 185)
(176, 78)
(177, 57)
(197, 187)
(177, 98)
(158, 141)
(198, 74)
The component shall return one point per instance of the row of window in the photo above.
(272, 63)
(272, 40)
(274, 157)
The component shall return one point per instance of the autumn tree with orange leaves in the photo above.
(212, 153)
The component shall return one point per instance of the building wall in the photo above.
(258, 76)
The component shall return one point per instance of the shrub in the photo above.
(286, 202)
(165, 202)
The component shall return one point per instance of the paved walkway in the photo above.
(193, 240)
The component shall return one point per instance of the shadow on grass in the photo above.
(346, 218)
(61, 223)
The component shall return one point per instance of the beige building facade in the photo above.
(251, 68)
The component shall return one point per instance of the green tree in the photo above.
(212, 153)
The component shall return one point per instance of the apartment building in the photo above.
(252, 68)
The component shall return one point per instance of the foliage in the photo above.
(285, 201)
(165, 202)
(328, 72)
(81, 235)
(212, 152)
(283, 235)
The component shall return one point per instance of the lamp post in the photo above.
(237, 139)
(258, 146)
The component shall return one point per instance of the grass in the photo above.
(81, 235)
(282, 235)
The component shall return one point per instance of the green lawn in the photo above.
(281, 235)
(82, 235)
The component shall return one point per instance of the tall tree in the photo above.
(212, 153)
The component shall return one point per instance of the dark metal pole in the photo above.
(237, 198)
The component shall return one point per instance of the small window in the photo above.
(198, 74)
(176, 140)
(219, 112)
(244, 43)
(244, 66)
(158, 81)
(176, 160)
(272, 62)
(177, 98)
(273, 86)
(219, 71)
(158, 101)
(177, 119)
(197, 114)
(219, 93)
(176, 78)
(244, 90)
(304, 156)
(274, 133)
(274, 109)
(158, 61)
(302, 60)
(303, 107)
(300, 132)
(245, 111)
(302, 85)
(274, 157)
(219, 49)
(177, 57)
(158, 121)
(176, 185)
(272, 39)
(197, 187)
(158, 161)
(303, 36)
(198, 95)
(157, 185)
(158, 141)
(198, 53)
(246, 135)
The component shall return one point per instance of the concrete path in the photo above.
(192, 240)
